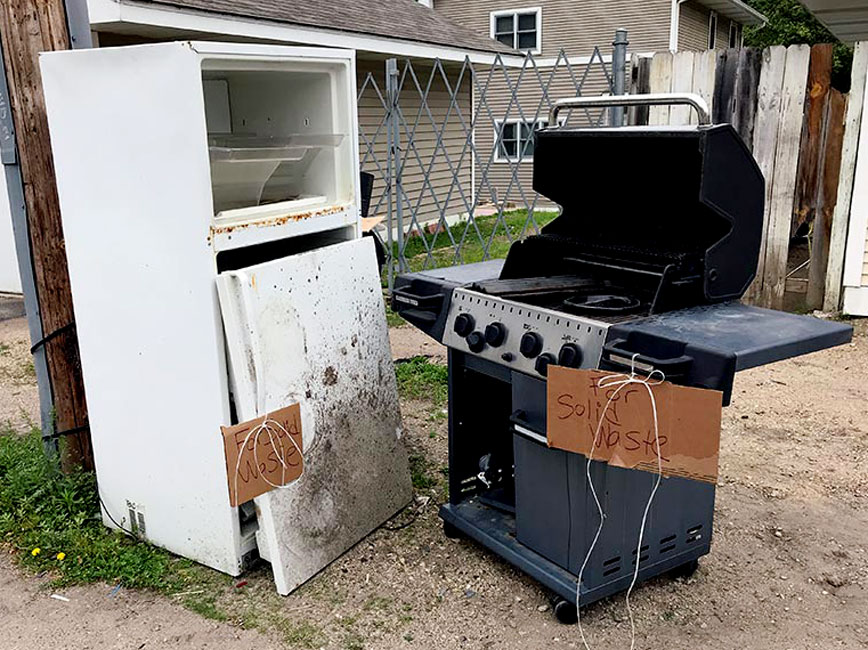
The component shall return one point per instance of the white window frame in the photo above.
(712, 29)
(520, 146)
(494, 15)
(739, 34)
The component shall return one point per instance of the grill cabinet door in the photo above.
(311, 329)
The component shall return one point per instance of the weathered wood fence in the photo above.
(803, 134)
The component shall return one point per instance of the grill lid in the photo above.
(684, 204)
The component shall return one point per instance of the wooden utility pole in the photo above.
(28, 27)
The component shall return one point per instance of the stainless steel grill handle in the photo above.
(653, 99)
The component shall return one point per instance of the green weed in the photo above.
(392, 318)
(53, 521)
(420, 472)
(421, 379)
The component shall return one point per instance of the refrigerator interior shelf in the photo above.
(253, 171)
(271, 210)
(256, 149)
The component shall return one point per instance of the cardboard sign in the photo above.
(261, 443)
(688, 422)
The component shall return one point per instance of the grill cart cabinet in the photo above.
(210, 203)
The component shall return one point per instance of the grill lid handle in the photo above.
(651, 99)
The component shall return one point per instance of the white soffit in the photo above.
(736, 10)
(846, 19)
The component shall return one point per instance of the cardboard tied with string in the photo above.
(260, 453)
(688, 423)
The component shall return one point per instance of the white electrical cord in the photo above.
(619, 381)
(272, 428)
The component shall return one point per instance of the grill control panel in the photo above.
(523, 337)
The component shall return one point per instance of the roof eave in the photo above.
(126, 16)
(736, 10)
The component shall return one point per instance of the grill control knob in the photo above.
(542, 363)
(476, 341)
(495, 334)
(570, 356)
(531, 345)
(464, 324)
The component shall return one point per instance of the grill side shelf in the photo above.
(749, 336)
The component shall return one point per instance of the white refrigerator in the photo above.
(210, 202)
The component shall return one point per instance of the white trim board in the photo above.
(856, 301)
(854, 253)
(128, 17)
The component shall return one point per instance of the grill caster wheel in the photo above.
(685, 570)
(451, 532)
(565, 611)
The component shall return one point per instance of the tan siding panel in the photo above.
(693, 27)
(577, 26)
(425, 183)
(511, 183)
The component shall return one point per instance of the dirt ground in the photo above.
(787, 570)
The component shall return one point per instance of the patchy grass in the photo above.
(44, 513)
(489, 230)
(420, 379)
(392, 318)
(420, 472)
(303, 634)
(51, 522)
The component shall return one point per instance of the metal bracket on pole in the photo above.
(619, 74)
(78, 23)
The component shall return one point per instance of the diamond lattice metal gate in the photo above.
(450, 147)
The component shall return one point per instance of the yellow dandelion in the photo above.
(61, 555)
(36, 551)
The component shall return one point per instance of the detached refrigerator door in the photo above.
(310, 328)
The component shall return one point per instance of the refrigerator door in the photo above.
(311, 329)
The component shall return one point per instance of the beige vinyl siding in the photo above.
(693, 27)
(421, 197)
(576, 26)
(511, 182)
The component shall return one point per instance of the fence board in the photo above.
(745, 94)
(830, 169)
(841, 215)
(765, 139)
(703, 78)
(661, 82)
(785, 173)
(724, 86)
(808, 184)
(682, 82)
(640, 83)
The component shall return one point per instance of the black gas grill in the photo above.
(642, 267)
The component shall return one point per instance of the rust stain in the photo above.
(274, 221)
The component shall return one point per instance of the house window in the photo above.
(519, 29)
(735, 35)
(712, 30)
(516, 139)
